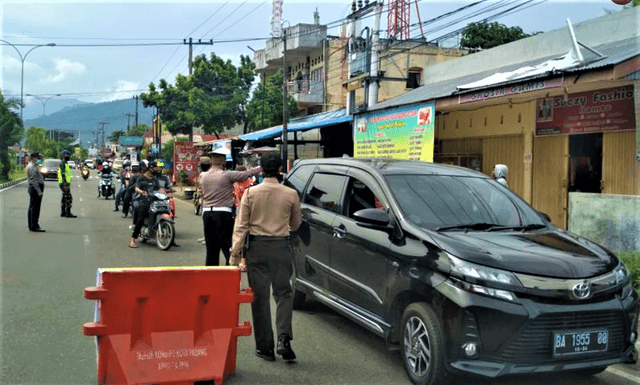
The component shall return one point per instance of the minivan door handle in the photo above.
(339, 231)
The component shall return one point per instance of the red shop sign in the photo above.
(610, 109)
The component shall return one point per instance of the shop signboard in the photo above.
(401, 133)
(610, 109)
(514, 89)
(185, 160)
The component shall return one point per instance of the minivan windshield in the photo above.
(442, 202)
(51, 163)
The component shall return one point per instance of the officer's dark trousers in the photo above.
(67, 199)
(270, 264)
(35, 203)
(218, 230)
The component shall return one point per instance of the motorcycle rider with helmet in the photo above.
(127, 196)
(124, 177)
(145, 184)
(105, 171)
(164, 185)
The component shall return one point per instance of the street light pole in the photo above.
(23, 58)
(44, 103)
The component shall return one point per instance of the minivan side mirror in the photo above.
(545, 216)
(373, 219)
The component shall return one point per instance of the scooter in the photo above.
(85, 172)
(158, 224)
(105, 187)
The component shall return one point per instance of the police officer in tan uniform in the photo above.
(268, 213)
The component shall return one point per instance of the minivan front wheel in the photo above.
(422, 345)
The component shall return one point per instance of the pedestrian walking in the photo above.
(35, 187)
(217, 212)
(500, 174)
(268, 213)
(64, 180)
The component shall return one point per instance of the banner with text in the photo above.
(610, 109)
(185, 161)
(402, 133)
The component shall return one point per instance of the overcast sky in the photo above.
(96, 74)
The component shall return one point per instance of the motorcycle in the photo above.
(85, 172)
(158, 224)
(105, 187)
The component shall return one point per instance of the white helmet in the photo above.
(105, 164)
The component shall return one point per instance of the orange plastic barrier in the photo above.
(167, 325)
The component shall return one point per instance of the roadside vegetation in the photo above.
(631, 260)
(16, 173)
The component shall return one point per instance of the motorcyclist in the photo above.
(145, 184)
(106, 171)
(125, 176)
(128, 193)
(164, 184)
(145, 168)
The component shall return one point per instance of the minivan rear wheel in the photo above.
(422, 345)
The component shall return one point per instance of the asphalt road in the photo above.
(43, 277)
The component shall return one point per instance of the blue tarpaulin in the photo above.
(301, 124)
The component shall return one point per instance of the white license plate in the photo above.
(580, 342)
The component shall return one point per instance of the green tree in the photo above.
(115, 136)
(487, 35)
(210, 97)
(138, 130)
(11, 132)
(265, 108)
(167, 148)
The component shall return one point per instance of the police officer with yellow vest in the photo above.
(64, 179)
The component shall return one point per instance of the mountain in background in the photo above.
(84, 117)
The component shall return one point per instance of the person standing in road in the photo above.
(35, 187)
(128, 194)
(64, 180)
(217, 202)
(238, 191)
(205, 165)
(269, 212)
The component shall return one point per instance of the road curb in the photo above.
(9, 184)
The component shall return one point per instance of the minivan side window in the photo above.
(324, 191)
(299, 178)
(360, 196)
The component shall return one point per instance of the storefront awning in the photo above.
(301, 124)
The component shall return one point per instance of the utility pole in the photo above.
(101, 129)
(375, 57)
(285, 133)
(128, 115)
(136, 97)
(191, 43)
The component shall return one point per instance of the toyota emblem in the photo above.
(581, 290)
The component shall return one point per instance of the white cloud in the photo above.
(65, 68)
(123, 90)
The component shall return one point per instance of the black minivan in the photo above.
(457, 271)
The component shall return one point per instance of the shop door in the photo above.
(619, 168)
(585, 163)
(550, 172)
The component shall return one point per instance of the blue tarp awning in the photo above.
(305, 123)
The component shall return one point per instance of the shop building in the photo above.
(560, 112)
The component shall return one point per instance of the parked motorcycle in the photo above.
(158, 224)
(85, 172)
(105, 187)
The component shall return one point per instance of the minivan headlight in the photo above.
(471, 272)
(622, 274)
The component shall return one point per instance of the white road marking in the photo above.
(623, 374)
(86, 241)
(80, 199)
